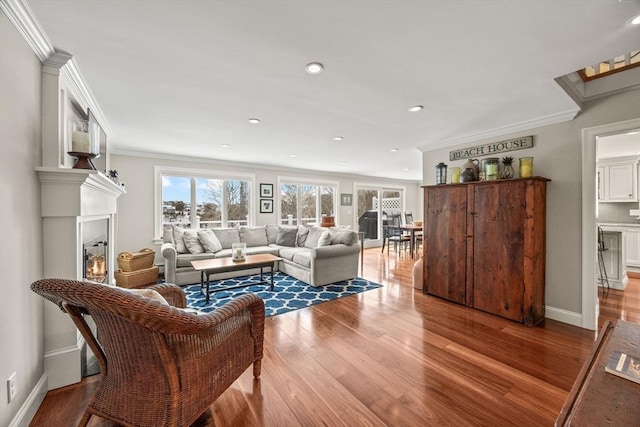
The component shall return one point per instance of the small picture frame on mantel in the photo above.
(266, 190)
(266, 206)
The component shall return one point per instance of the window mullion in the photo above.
(193, 213)
(223, 202)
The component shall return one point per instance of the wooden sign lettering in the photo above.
(492, 148)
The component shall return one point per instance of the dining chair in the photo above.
(395, 234)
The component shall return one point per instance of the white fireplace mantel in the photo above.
(77, 192)
(70, 199)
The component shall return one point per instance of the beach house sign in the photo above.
(492, 148)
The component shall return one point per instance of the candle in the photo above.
(526, 167)
(239, 253)
(455, 175)
(80, 142)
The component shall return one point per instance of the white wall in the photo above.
(557, 153)
(21, 260)
(135, 228)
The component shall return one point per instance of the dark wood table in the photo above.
(222, 265)
(412, 229)
(599, 398)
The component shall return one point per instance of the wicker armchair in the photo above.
(160, 365)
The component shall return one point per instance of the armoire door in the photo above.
(445, 242)
(498, 252)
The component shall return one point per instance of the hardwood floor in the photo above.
(394, 356)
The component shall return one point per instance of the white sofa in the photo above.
(317, 256)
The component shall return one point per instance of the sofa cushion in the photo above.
(325, 239)
(272, 233)
(178, 240)
(184, 260)
(289, 253)
(303, 258)
(209, 240)
(191, 241)
(346, 237)
(314, 237)
(227, 236)
(287, 235)
(253, 236)
(301, 238)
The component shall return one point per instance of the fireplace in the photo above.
(95, 253)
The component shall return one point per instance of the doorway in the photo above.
(590, 306)
(374, 204)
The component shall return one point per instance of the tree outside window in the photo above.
(306, 203)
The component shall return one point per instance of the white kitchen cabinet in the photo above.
(618, 181)
(632, 248)
(612, 256)
(600, 183)
(621, 183)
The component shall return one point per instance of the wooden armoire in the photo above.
(484, 246)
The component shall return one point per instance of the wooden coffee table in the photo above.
(223, 265)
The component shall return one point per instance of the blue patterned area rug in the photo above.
(288, 293)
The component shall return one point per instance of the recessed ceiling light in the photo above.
(635, 21)
(393, 150)
(225, 146)
(416, 108)
(293, 155)
(314, 68)
(633, 133)
(254, 121)
(405, 169)
(338, 138)
(343, 162)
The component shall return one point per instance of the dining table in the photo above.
(412, 229)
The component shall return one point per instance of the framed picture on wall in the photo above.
(266, 190)
(266, 206)
(346, 199)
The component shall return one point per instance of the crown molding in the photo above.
(25, 22)
(504, 130)
(21, 16)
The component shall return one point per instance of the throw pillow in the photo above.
(227, 236)
(191, 241)
(325, 239)
(178, 232)
(313, 237)
(209, 241)
(149, 293)
(346, 237)
(167, 235)
(253, 236)
(301, 238)
(287, 236)
(272, 233)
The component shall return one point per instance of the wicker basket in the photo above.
(137, 279)
(134, 261)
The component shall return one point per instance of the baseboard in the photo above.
(563, 316)
(29, 408)
(64, 366)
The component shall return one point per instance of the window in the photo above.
(306, 203)
(194, 198)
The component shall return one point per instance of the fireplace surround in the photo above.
(79, 210)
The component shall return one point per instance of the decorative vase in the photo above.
(472, 164)
(467, 175)
(507, 168)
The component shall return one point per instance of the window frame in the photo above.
(160, 171)
(307, 181)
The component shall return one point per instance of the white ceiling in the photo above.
(183, 77)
